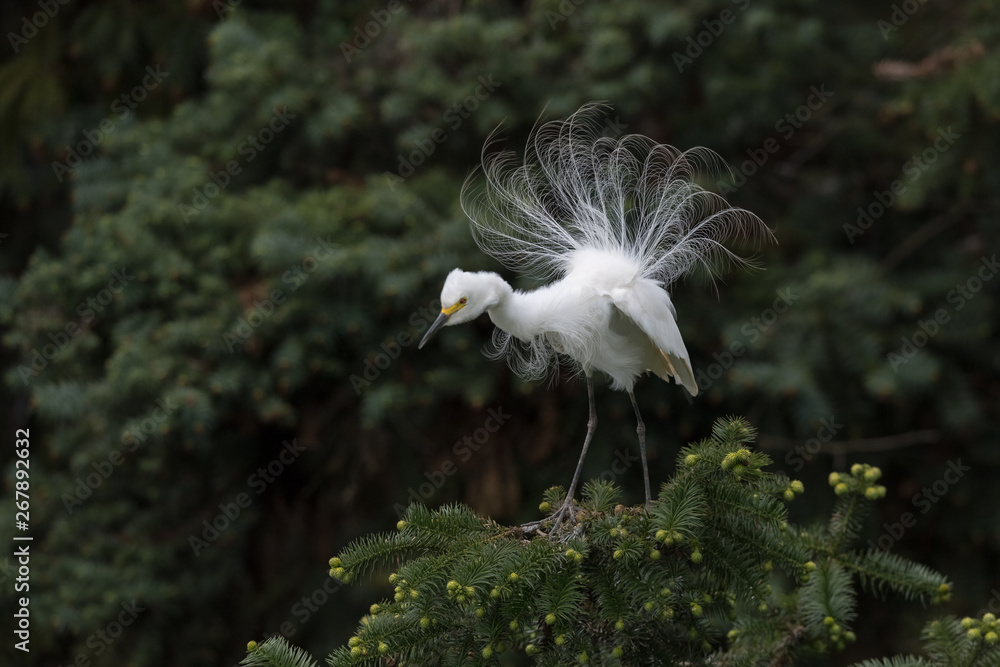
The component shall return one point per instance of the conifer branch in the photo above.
(624, 584)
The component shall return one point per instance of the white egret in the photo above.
(610, 222)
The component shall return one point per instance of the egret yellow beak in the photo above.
(441, 320)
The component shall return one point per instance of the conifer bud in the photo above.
(560, 640)
(620, 625)
(841, 489)
(400, 525)
(251, 645)
(696, 556)
(335, 562)
(654, 554)
(531, 649)
(550, 619)
(618, 652)
(875, 492)
(834, 478)
(690, 460)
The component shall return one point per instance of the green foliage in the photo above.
(275, 652)
(622, 584)
(950, 642)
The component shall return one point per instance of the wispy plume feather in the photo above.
(576, 189)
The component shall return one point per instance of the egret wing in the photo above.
(648, 306)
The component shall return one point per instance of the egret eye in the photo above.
(463, 300)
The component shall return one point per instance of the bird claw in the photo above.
(568, 507)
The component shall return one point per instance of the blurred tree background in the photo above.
(225, 223)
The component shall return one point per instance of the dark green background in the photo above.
(327, 258)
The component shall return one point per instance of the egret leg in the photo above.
(591, 426)
(640, 430)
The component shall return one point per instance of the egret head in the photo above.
(464, 297)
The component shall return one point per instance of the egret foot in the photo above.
(559, 515)
(561, 524)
